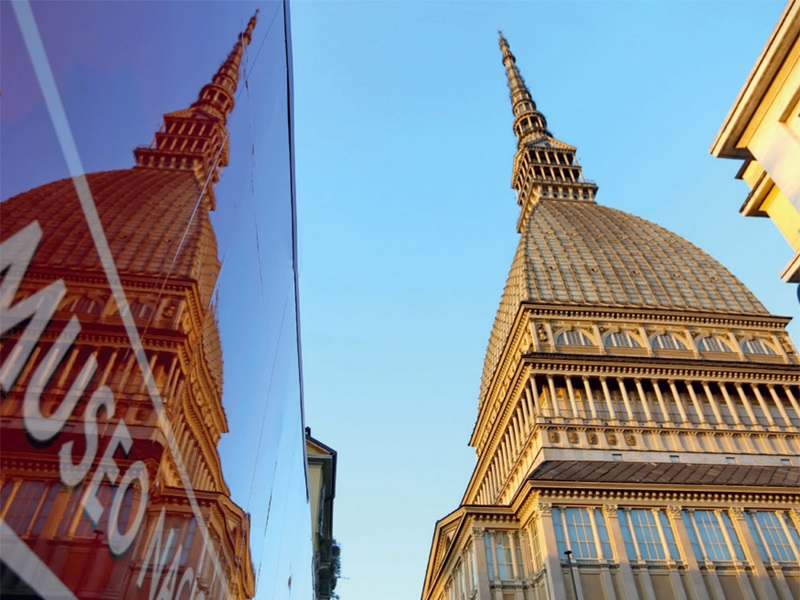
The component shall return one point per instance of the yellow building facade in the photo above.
(638, 428)
(321, 460)
(763, 129)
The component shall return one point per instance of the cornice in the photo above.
(639, 315)
(616, 365)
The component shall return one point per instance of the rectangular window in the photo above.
(499, 548)
(647, 535)
(776, 536)
(537, 547)
(487, 539)
(505, 567)
(583, 531)
(712, 535)
(26, 509)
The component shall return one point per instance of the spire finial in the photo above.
(196, 138)
(521, 101)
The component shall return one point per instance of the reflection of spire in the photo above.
(216, 98)
(522, 103)
(195, 138)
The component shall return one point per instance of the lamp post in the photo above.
(572, 574)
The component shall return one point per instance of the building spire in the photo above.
(527, 120)
(196, 139)
(544, 167)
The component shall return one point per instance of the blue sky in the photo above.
(407, 220)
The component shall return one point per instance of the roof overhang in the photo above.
(729, 142)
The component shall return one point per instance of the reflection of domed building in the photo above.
(105, 470)
(638, 424)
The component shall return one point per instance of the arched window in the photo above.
(667, 341)
(141, 309)
(756, 347)
(712, 344)
(573, 338)
(621, 339)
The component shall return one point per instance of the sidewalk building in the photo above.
(763, 130)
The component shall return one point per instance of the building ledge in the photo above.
(791, 272)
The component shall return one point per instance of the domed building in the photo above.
(111, 373)
(638, 428)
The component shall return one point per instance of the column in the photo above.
(664, 410)
(73, 355)
(553, 397)
(532, 399)
(628, 585)
(554, 573)
(481, 568)
(696, 582)
(746, 403)
(779, 404)
(526, 415)
(737, 419)
(516, 569)
(113, 358)
(674, 574)
(713, 403)
(589, 397)
(762, 588)
(764, 405)
(643, 398)
(498, 592)
(572, 403)
(678, 402)
(788, 390)
(609, 404)
(625, 400)
(520, 430)
(698, 406)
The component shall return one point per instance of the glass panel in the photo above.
(666, 526)
(579, 531)
(621, 340)
(775, 537)
(754, 530)
(573, 338)
(647, 534)
(558, 528)
(667, 342)
(711, 534)
(712, 344)
(689, 523)
(504, 565)
(163, 269)
(626, 534)
(489, 554)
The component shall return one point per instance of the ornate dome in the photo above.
(149, 216)
(584, 254)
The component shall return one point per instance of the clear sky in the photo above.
(407, 220)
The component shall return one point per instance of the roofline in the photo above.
(767, 66)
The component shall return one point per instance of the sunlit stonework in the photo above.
(172, 530)
(638, 424)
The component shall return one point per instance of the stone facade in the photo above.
(638, 429)
(763, 130)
